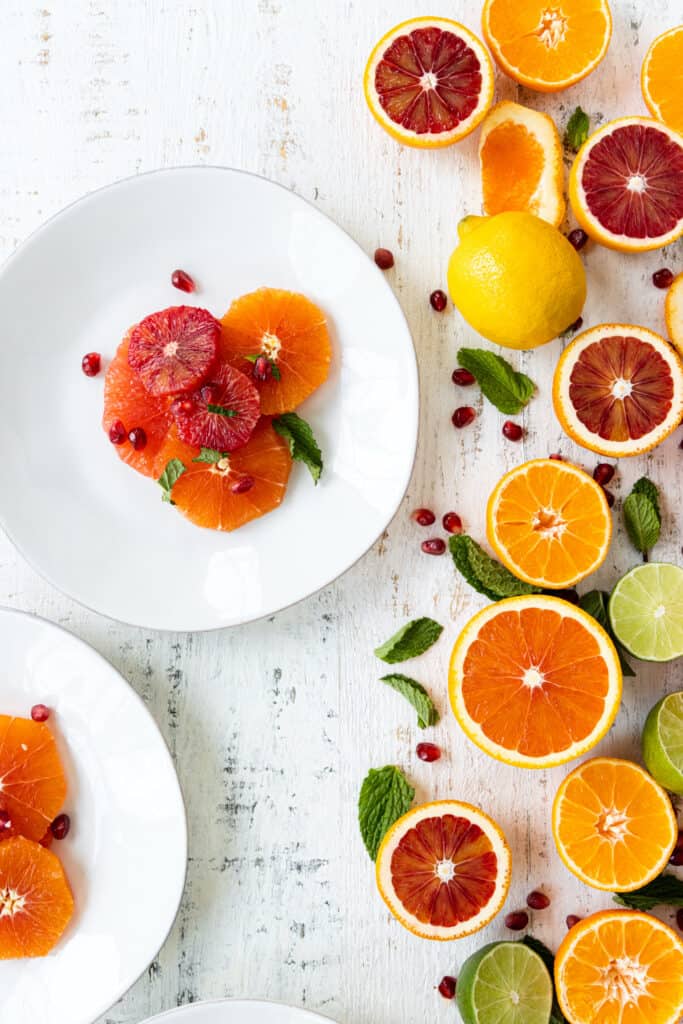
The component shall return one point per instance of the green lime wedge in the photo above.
(505, 983)
(646, 611)
(663, 743)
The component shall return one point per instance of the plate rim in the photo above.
(127, 180)
(312, 1015)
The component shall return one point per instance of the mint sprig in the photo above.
(416, 695)
(385, 796)
(577, 130)
(642, 516)
(303, 446)
(221, 410)
(485, 574)
(595, 604)
(665, 890)
(411, 640)
(173, 470)
(504, 386)
(210, 455)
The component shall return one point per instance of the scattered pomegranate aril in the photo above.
(512, 431)
(572, 919)
(663, 278)
(679, 919)
(436, 546)
(60, 826)
(40, 712)
(603, 473)
(423, 516)
(262, 369)
(447, 986)
(208, 392)
(117, 432)
(463, 378)
(537, 900)
(556, 456)
(577, 238)
(384, 258)
(243, 485)
(609, 496)
(138, 438)
(428, 751)
(182, 280)
(91, 364)
(5, 820)
(517, 920)
(452, 523)
(576, 326)
(438, 300)
(676, 857)
(463, 416)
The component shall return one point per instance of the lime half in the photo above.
(505, 983)
(663, 743)
(646, 611)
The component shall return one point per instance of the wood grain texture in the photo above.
(274, 725)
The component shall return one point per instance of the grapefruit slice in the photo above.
(626, 185)
(429, 82)
(661, 78)
(36, 903)
(126, 399)
(443, 870)
(673, 311)
(534, 681)
(235, 488)
(32, 782)
(618, 390)
(173, 350)
(221, 414)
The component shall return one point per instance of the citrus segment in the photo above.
(534, 681)
(36, 903)
(613, 825)
(620, 967)
(504, 983)
(661, 78)
(673, 309)
(544, 45)
(32, 782)
(429, 82)
(173, 350)
(443, 870)
(221, 414)
(646, 611)
(626, 185)
(291, 332)
(663, 742)
(521, 163)
(549, 523)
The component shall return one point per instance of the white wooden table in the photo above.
(274, 725)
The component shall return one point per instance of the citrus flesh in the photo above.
(504, 983)
(646, 611)
(663, 742)
(32, 781)
(673, 309)
(173, 350)
(36, 903)
(661, 78)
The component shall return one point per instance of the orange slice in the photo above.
(544, 45)
(618, 390)
(534, 681)
(36, 903)
(549, 523)
(521, 163)
(32, 783)
(443, 870)
(291, 332)
(620, 967)
(429, 82)
(614, 826)
(673, 311)
(661, 78)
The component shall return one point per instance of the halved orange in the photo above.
(613, 825)
(32, 782)
(521, 163)
(291, 332)
(429, 82)
(661, 78)
(620, 967)
(544, 45)
(549, 523)
(534, 681)
(36, 903)
(443, 870)
(618, 390)
(673, 311)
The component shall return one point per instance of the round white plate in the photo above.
(238, 1011)
(100, 532)
(126, 853)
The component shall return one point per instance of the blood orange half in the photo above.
(626, 185)
(429, 82)
(618, 389)
(36, 903)
(443, 870)
(32, 783)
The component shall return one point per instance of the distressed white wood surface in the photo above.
(274, 725)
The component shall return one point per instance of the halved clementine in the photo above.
(443, 870)
(620, 967)
(549, 523)
(613, 825)
(32, 782)
(534, 681)
(661, 78)
(36, 903)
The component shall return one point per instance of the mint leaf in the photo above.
(595, 603)
(504, 386)
(666, 890)
(642, 522)
(303, 446)
(413, 639)
(221, 410)
(546, 955)
(385, 796)
(577, 130)
(484, 573)
(649, 491)
(210, 455)
(173, 471)
(416, 695)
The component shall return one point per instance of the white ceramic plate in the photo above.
(126, 853)
(97, 530)
(238, 1011)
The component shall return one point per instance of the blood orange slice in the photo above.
(32, 783)
(429, 82)
(221, 414)
(626, 185)
(173, 350)
(443, 870)
(36, 903)
(618, 389)
(291, 332)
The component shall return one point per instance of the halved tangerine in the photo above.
(443, 870)
(673, 311)
(32, 782)
(618, 389)
(661, 78)
(36, 903)
(173, 350)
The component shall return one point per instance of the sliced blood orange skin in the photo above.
(32, 782)
(36, 903)
(221, 414)
(173, 350)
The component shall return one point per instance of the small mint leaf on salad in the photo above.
(485, 574)
(303, 446)
(210, 455)
(173, 471)
(411, 640)
(504, 386)
(577, 130)
(416, 695)
(385, 796)
(221, 410)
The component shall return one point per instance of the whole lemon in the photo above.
(516, 279)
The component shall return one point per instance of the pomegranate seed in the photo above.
(452, 523)
(436, 546)
(679, 919)
(578, 238)
(663, 278)
(428, 751)
(576, 326)
(676, 857)
(609, 496)
(424, 516)
(573, 919)
(537, 900)
(262, 369)
(438, 300)
(517, 920)
(603, 473)
(243, 485)
(463, 416)
(183, 281)
(512, 431)
(566, 595)
(463, 378)
(60, 826)
(447, 986)
(117, 432)
(5, 820)
(40, 712)
(138, 438)
(384, 258)
(208, 393)
(91, 364)
(556, 456)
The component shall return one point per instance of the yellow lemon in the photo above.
(516, 279)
